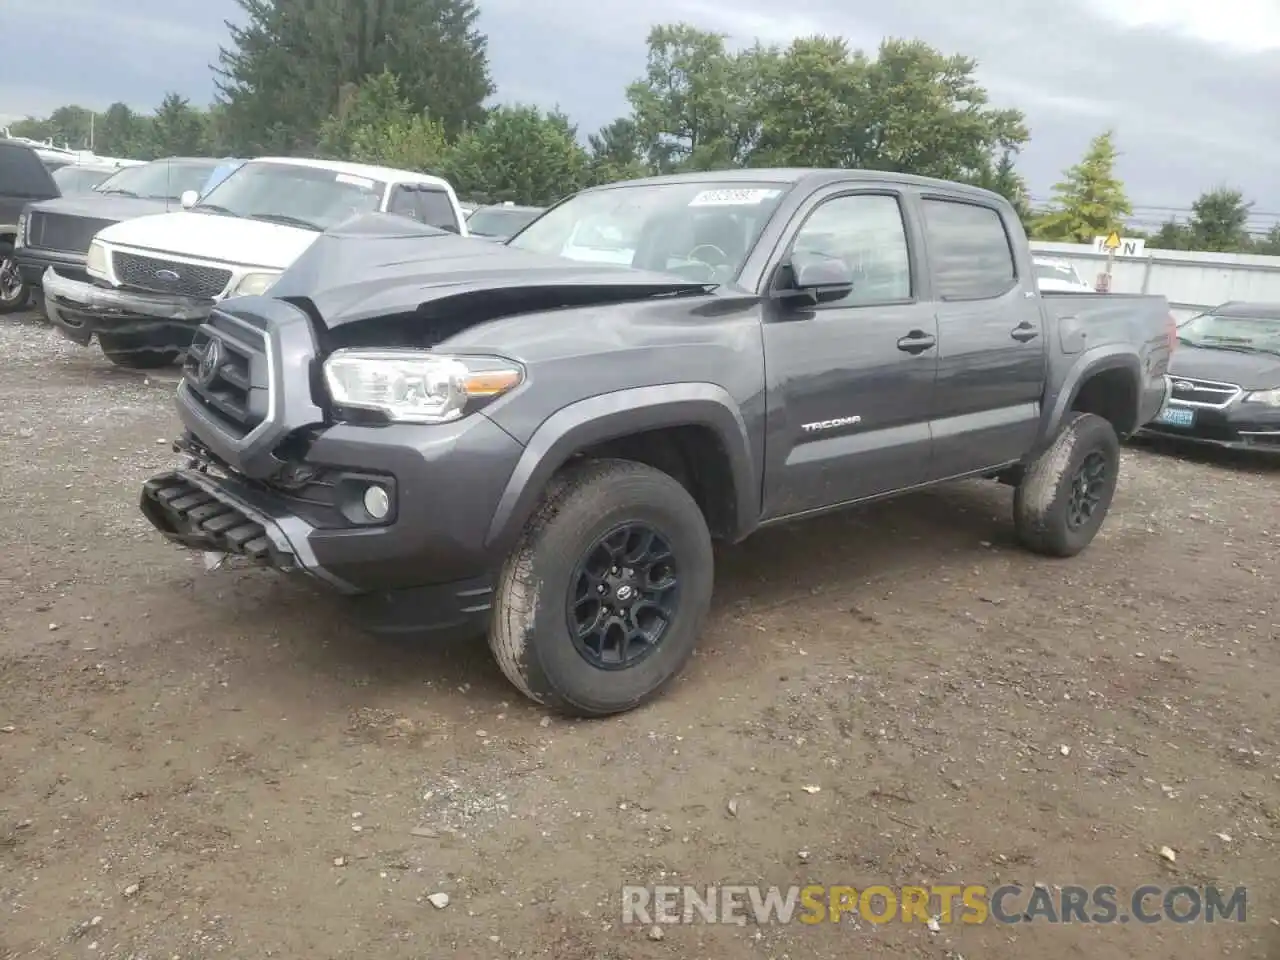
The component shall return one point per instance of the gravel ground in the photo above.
(199, 764)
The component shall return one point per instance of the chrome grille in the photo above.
(156, 275)
(56, 231)
(226, 371)
(1203, 393)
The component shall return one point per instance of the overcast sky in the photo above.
(1190, 86)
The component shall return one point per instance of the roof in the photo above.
(810, 177)
(510, 206)
(358, 170)
(1254, 311)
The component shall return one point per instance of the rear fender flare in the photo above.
(1091, 362)
(618, 414)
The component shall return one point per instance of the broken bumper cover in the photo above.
(81, 309)
(227, 516)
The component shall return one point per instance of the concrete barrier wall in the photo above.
(1193, 281)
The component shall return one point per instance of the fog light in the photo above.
(377, 502)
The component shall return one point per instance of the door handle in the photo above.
(917, 341)
(1024, 332)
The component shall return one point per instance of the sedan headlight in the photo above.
(253, 284)
(95, 263)
(414, 386)
(1269, 397)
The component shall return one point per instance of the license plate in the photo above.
(1176, 417)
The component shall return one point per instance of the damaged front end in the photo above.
(325, 435)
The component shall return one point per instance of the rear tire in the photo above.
(14, 291)
(134, 354)
(546, 633)
(1064, 496)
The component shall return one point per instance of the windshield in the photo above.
(500, 221)
(313, 198)
(698, 231)
(1252, 334)
(158, 180)
(1057, 270)
(72, 180)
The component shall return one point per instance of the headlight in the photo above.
(21, 238)
(413, 386)
(253, 284)
(95, 263)
(1269, 397)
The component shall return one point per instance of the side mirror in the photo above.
(818, 278)
(189, 199)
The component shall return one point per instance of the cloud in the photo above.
(1189, 86)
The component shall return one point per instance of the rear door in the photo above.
(850, 383)
(991, 342)
(23, 180)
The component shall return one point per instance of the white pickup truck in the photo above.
(154, 279)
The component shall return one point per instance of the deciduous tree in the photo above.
(1219, 221)
(520, 154)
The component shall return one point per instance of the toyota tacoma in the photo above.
(467, 435)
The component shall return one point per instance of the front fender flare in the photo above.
(609, 416)
(1093, 361)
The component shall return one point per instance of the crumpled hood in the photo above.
(97, 206)
(210, 236)
(1252, 371)
(379, 265)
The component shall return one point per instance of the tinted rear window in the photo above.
(437, 211)
(969, 250)
(22, 174)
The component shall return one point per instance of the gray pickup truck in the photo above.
(542, 438)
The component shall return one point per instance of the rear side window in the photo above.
(436, 209)
(404, 203)
(23, 175)
(969, 249)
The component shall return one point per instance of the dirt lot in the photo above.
(201, 764)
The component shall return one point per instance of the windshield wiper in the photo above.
(120, 192)
(214, 208)
(1226, 345)
(287, 221)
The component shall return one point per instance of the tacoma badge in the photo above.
(830, 424)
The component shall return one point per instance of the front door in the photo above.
(850, 383)
(991, 342)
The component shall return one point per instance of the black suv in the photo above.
(23, 179)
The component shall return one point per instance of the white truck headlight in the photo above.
(415, 386)
(95, 263)
(1269, 397)
(253, 284)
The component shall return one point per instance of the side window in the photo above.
(402, 202)
(23, 175)
(969, 250)
(866, 231)
(436, 210)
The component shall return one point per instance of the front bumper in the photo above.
(81, 309)
(33, 262)
(1236, 427)
(229, 516)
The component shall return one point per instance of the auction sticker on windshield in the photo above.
(733, 198)
(354, 181)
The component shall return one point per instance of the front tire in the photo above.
(1065, 494)
(600, 605)
(14, 291)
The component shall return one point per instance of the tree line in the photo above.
(404, 83)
